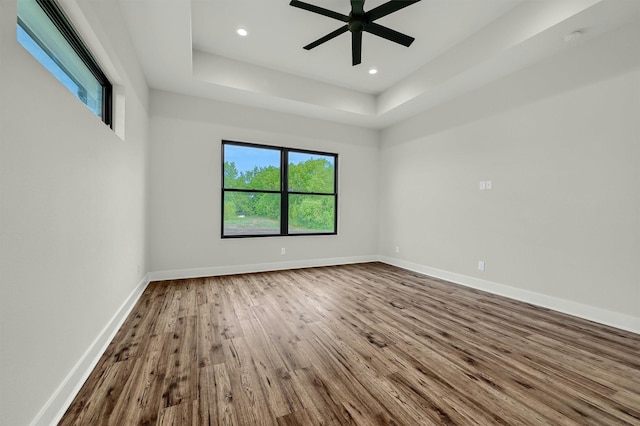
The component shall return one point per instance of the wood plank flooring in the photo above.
(366, 344)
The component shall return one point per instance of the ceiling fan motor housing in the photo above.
(356, 25)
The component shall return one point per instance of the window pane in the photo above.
(39, 35)
(311, 173)
(311, 213)
(251, 168)
(251, 213)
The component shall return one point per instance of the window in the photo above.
(45, 32)
(273, 191)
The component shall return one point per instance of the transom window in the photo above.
(46, 33)
(275, 191)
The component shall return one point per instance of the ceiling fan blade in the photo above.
(326, 38)
(357, 7)
(356, 47)
(319, 10)
(389, 34)
(388, 8)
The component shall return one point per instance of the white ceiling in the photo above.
(191, 47)
(279, 31)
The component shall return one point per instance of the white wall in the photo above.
(185, 173)
(72, 224)
(561, 226)
(560, 142)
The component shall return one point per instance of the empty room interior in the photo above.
(320, 212)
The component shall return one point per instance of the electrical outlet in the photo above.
(488, 184)
(397, 249)
(481, 265)
(283, 250)
(482, 185)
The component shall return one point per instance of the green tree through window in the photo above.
(260, 183)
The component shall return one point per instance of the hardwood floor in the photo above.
(364, 344)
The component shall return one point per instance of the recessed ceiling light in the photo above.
(242, 32)
(373, 71)
(574, 35)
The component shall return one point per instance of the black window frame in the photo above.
(58, 18)
(283, 192)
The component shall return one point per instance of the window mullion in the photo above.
(284, 191)
(258, 191)
(329, 194)
(335, 194)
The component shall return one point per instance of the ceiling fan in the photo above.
(358, 21)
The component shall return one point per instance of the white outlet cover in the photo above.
(481, 265)
(488, 184)
(482, 185)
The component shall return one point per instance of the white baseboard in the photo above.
(59, 402)
(591, 313)
(176, 274)
(61, 399)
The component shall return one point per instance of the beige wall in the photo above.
(562, 222)
(185, 175)
(72, 224)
